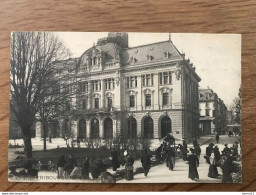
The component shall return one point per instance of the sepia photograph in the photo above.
(117, 107)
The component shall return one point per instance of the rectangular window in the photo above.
(96, 86)
(83, 104)
(213, 113)
(132, 101)
(132, 82)
(147, 80)
(110, 84)
(83, 87)
(207, 112)
(165, 99)
(148, 99)
(165, 78)
(96, 103)
(109, 102)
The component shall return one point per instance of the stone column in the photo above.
(88, 128)
(89, 100)
(156, 94)
(74, 128)
(117, 93)
(140, 95)
(102, 95)
(38, 130)
(101, 128)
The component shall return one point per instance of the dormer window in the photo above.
(149, 57)
(167, 54)
(133, 60)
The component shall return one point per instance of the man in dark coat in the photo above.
(85, 168)
(170, 158)
(60, 165)
(69, 166)
(98, 169)
(209, 150)
(227, 167)
(193, 164)
(195, 142)
(115, 161)
(146, 163)
(226, 149)
(216, 153)
(128, 163)
(197, 151)
(185, 150)
(217, 137)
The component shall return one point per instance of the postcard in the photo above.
(117, 107)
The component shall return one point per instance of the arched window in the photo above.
(82, 129)
(108, 128)
(132, 128)
(166, 126)
(95, 128)
(148, 128)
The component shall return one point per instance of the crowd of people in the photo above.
(167, 152)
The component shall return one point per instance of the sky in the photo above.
(217, 57)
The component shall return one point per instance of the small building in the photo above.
(212, 112)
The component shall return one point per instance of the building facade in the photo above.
(134, 92)
(212, 112)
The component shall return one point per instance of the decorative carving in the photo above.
(148, 114)
(117, 81)
(130, 115)
(178, 73)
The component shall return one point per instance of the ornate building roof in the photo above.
(159, 51)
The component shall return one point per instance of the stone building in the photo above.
(212, 112)
(145, 91)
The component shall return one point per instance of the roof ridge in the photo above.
(146, 44)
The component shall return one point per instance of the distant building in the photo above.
(212, 112)
(145, 91)
(229, 117)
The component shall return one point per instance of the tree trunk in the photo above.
(45, 128)
(28, 147)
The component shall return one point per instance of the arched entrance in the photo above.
(108, 128)
(148, 128)
(66, 133)
(54, 129)
(132, 128)
(82, 129)
(95, 128)
(166, 126)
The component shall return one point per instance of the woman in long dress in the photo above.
(129, 160)
(213, 171)
(193, 164)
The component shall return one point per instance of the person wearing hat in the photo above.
(184, 150)
(216, 153)
(193, 162)
(170, 160)
(145, 161)
(85, 168)
(114, 159)
(213, 172)
(195, 143)
(209, 150)
(128, 163)
(226, 149)
(217, 137)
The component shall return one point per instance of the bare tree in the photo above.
(34, 56)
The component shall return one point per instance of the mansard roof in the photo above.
(151, 52)
(109, 50)
(207, 94)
